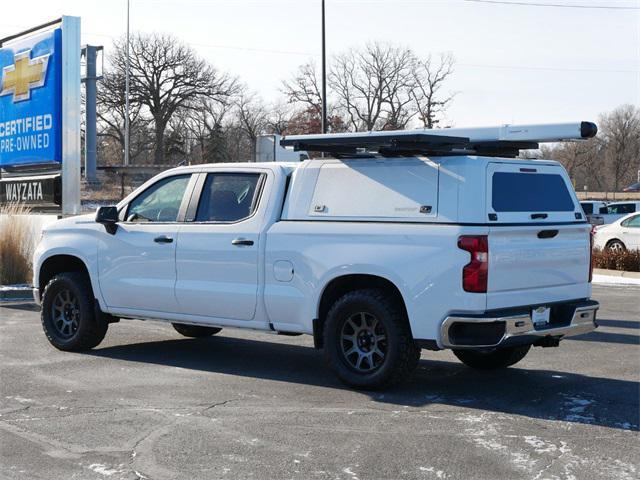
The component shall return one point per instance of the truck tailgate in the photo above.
(538, 264)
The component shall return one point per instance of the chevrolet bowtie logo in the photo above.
(26, 73)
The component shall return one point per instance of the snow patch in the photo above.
(627, 426)
(103, 470)
(21, 287)
(348, 471)
(540, 445)
(438, 473)
(20, 399)
(576, 407)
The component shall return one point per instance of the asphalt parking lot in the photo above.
(148, 403)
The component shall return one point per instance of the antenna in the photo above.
(501, 141)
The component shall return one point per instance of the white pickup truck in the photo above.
(405, 240)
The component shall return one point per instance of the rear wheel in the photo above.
(367, 340)
(195, 331)
(616, 246)
(492, 359)
(68, 313)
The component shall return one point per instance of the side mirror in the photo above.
(108, 216)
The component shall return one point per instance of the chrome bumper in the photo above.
(519, 327)
(36, 295)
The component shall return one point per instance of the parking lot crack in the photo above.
(16, 410)
(139, 447)
(218, 404)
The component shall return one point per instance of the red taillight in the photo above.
(475, 274)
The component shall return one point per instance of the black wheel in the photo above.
(368, 342)
(492, 359)
(68, 315)
(616, 246)
(195, 331)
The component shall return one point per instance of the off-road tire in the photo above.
(90, 329)
(195, 331)
(492, 359)
(402, 354)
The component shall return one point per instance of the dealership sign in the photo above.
(40, 116)
(30, 100)
(44, 191)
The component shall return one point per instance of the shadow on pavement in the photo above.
(540, 394)
(608, 337)
(15, 305)
(620, 324)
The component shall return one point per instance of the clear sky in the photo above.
(514, 62)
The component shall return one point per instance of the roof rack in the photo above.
(502, 141)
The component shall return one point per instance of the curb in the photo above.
(616, 273)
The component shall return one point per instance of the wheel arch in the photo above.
(614, 239)
(343, 284)
(59, 263)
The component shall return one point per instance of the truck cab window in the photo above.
(622, 208)
(228, 197)
(160, 202)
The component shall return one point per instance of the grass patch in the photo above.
(628, 261)
(16, 245)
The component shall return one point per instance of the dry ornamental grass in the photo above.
(629, 260)
(16, 245)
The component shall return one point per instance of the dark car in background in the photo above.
(634, 187)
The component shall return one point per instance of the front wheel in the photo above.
(68, 313)
(368, 342)
(492, 359)
(195, 331)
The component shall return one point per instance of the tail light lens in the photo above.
(475, 274)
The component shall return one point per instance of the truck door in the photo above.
(217, 253)
(137, 263)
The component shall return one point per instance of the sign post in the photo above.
(40, 117)
(70, 115)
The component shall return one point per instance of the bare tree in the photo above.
(620, 136)
(303, 88)
(303, 92)
(610, 160)
(580, 159)
(429, 76)
(167, 75)
(207, 122)
(371, 86)
(111, 114)
(252, 117)
(279, 118)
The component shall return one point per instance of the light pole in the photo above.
(324, 77)
(126, 97)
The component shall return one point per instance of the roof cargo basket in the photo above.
(383, 142)
(502, 141)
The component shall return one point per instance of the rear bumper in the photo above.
(499, 328)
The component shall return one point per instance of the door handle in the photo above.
(547, 233)
(241, 241)
(163, 239)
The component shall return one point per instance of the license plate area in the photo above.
(541, 316)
